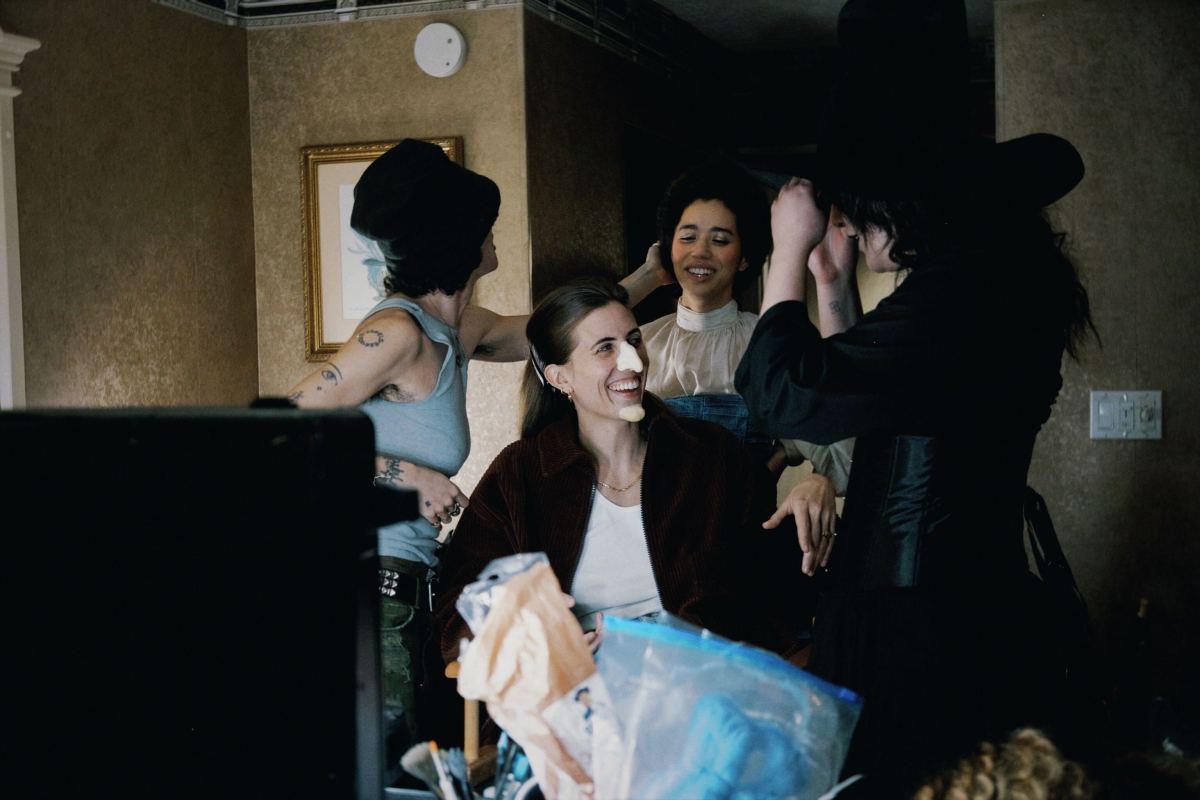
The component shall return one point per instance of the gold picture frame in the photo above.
(342, 271)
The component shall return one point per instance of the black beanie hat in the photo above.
(413, 200)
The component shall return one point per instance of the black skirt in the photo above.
(939, 670)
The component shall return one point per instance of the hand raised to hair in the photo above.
(646, 278)
(834, 259)
(652, 270)
(654, 262)
(797, 224)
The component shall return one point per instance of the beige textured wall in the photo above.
(1121, 80)
(357, 82)
(133, 172)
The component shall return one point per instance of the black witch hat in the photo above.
(897, 124)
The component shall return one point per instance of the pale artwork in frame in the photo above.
(343, 271)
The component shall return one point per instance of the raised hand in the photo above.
(646, 278)
(797, 223)
(834, 259)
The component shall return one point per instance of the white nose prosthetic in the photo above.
(628, 359)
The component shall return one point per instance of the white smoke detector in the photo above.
(440, 50)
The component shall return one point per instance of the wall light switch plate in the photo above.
(1126, 415)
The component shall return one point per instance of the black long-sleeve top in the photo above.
(945, 383)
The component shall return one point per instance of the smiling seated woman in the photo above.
(635, 517)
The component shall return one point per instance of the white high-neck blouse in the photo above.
(694, 352)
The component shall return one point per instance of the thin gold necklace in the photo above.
(610, 487)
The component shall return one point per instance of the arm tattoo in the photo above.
(332, 374)
(395, 394)
(836, 306)
(392, 472)
(371, 338)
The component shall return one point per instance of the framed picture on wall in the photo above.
(343, 271)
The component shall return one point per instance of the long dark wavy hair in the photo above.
(1017, 239)
(551, 334)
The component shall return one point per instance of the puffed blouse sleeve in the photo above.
(832, 461)
(872, 377)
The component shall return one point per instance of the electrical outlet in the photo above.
(1127, 415)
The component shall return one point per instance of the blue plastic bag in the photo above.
(704, 718)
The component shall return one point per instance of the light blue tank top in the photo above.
(432, 432)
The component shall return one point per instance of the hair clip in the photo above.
(537, 364)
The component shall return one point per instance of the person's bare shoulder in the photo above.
(391, 331)
(383, 348)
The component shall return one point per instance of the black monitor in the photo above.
(192, 603)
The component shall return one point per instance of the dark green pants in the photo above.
(404, 643)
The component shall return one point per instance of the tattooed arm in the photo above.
(488, 336)
(387, 356)
(437, 496)
(383, 354)
(833, 263)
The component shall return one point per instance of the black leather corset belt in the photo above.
(933, 510)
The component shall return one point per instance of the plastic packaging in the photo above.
(529, 663)
(705, 718)
(477, 598)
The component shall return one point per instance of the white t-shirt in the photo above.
(614, 575)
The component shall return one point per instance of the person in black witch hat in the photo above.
(928, 607)
(405, 365)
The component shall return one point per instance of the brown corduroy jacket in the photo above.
(703, 505)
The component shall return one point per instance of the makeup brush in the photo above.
(455, 762)
(507, 749)
(443, 777)
(418, 762)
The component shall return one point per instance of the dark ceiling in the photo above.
(757, 26)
